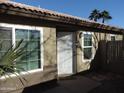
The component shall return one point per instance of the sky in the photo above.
(83, 8)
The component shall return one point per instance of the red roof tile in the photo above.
(65, 17)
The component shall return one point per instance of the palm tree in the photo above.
(95, 15)
(104, 15)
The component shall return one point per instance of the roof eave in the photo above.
(4, 9)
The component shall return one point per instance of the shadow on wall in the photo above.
(95, 64)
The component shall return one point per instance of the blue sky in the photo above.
(82, 8)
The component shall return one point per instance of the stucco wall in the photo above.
(49, 67)
(50, 46)
(119, 37)
(83, 65)
(99, 53)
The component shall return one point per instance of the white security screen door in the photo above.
(65, 53)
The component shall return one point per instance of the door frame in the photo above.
(74, 51)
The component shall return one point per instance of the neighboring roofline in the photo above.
(13, 8)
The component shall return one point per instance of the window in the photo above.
(87, 46)
(32, 37)
(11, 34)
(5, 40)
(112, 38)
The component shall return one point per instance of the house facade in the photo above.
(65, 44)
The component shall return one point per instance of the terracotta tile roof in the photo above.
(32, 8)
(66, 18)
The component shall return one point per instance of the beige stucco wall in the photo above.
(119, 37)
(50, 46)
(49, 67)
(83, 65)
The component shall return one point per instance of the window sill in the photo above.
(87, 60)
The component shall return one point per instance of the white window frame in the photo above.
(112, 35)
(82, 38)
(15, 26)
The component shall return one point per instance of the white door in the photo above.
(65, 53)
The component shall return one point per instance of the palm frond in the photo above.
(8, 60)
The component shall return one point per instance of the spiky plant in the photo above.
(8, 61)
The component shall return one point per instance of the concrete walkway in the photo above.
(75, 84)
